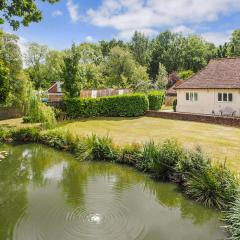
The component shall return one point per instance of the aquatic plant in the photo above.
(232, 219)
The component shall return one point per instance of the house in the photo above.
(55, 93)
(212, 90)
(171, 93)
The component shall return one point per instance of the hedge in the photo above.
(129, 105)
(155, 99)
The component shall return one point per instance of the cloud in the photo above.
(128, 15)
(22, 43)
(127, 35)
(73, 10)
(217, 38)
(182, 29)
(57, 13)
(89, 39)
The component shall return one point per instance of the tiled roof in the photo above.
(219, 73)
(171, 91)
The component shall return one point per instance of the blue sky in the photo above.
(81, 20)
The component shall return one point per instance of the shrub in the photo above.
(29, 134)
(175, 105)
(38, 112)
(170, 153)
(130, 154)
(233, 220)
(191, 163)
(129, 105)
(155, 99)
(5, 134)
(149, 154)
(215, 186)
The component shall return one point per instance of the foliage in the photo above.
(18, 13)
(38, 112)
(70, 73)
(29, 134)
(131, 154)
(122, 71)
(233, 220)
(139, 47)
(156, 99)
(162, 77)
(148, 157)
(214, 186)
(175, 105)
(169, 154)
(234, 45)
(4, 82)
(185, 74)
(129, 105)
(35, 59)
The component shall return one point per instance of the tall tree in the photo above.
(122, 71)
(70, 72)
(4, 82)
(17, 12)
(162, 77)
(139, 46)
(35, 59)
(234, 45)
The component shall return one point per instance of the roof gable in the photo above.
(219, 73)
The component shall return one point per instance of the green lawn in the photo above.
(220, 142)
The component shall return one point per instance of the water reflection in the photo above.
(45, 194)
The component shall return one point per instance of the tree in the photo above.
(222, 51)
(185, 74)
(18, 13)
(165, 49)
(107, 46)
(162, 77)
(122, 71)
(234, 45)
(53, 66)
(4, 82)
(70, 73)
(139, 47)
(35, 59)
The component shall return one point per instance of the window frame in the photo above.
(228, 94)
(191, 96)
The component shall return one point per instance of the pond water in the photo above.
(48, 195)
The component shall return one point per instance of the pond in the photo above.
(48, 195)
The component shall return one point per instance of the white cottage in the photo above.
(214, 90)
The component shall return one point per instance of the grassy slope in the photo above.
(219, 141)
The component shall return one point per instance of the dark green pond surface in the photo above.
(48, 195)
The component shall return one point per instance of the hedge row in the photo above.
(129, 105)
(156, 99)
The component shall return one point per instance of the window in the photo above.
(225, 97)
(192, 96)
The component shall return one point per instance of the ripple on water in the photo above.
(108, 219)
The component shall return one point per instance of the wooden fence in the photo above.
(10, 112)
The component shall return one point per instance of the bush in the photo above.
(233, 220)
(155, 99)
(149, 154)
(191, 163)
(129, 105)
(38, 112)
(29, 134)
(5, 134)
(215, 186)
(170, 153)
(130, 154)
(175, 105)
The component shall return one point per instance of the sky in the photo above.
(77, 21)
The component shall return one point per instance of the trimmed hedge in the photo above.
(129, 105)
(155, 99)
